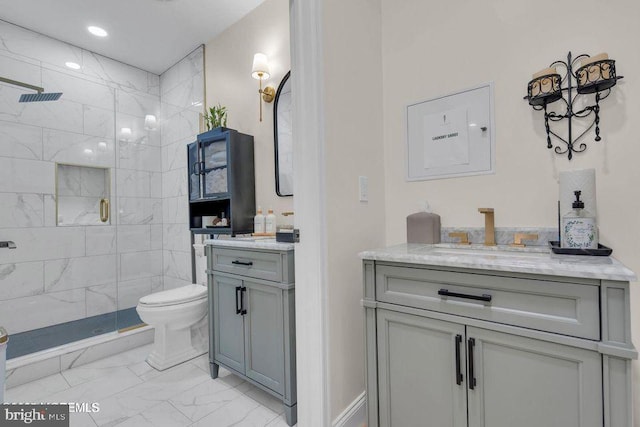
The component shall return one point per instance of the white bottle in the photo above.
(579, 229)
(223, 220)
(258, 222)
(270, 222)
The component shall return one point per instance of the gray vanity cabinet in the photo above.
(453, 347)
(252, 319)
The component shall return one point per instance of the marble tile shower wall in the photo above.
(182, 96)
(59, 274)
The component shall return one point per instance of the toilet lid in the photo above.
(175, 296)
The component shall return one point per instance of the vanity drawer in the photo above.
(565, 308)
(261, 265)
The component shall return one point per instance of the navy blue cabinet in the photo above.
(221, 182)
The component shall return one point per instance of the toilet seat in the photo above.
(181, 295)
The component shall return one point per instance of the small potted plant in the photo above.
(217, 118)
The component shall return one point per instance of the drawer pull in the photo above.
(458, 373)
(472, 374)
(247, 263)
(483, 297)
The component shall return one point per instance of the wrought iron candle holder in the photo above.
(595, 75)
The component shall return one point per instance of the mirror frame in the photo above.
(275, 133)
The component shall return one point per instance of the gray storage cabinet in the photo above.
(544, 351)
(252, 319)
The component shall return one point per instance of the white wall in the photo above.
(353, 148)
(229, 58)
(430, 49)
(182, 96)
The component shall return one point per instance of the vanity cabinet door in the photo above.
(264, 335)
(531, 383)
(228, 323)
(418, 364)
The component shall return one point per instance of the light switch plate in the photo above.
(363, 185)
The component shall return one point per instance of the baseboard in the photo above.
(355, 415)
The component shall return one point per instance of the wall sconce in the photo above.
(260, 71)
(125, 134)
(150, 122)
(595, 74)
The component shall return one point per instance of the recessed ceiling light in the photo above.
(88, 151)
(97, 31)
(72, 65)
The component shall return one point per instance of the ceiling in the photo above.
(149, 34)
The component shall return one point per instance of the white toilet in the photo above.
(172, 313)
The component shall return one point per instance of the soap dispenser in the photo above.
(579, 229)
(258, 222)
(270, 222)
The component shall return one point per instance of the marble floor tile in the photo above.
(242, 411)
(148, 394)
(205, 398)
(131, 393)
(265, 399)
(36, 391)
(98, 389)
(81, 419)
(104, 368)
(161, 415)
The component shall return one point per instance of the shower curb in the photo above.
(24, 369)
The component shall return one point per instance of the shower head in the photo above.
(32, 97)
(39, 97)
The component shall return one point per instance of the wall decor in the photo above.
(451, 136)
(593, 74)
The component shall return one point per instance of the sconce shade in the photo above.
(596, 74)
(150, 122)
(260, 70)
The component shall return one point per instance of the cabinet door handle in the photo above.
(195, 170)
(472, 375)
(458, 373)
(238, 299)
(483, 297)
(243, 310)
(247, 263)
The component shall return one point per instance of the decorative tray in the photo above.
(601, 251)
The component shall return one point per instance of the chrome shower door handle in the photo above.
(104, 210)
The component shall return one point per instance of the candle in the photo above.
(545, 85)
(594, 73)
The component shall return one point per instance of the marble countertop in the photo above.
(535, 260)
(265, 243)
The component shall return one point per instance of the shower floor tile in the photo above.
(131, 393)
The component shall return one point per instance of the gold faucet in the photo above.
(519, 237)
(489, 226)
(464, 237)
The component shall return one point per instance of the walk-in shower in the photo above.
(80, 216)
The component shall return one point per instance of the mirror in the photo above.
(282, 138)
